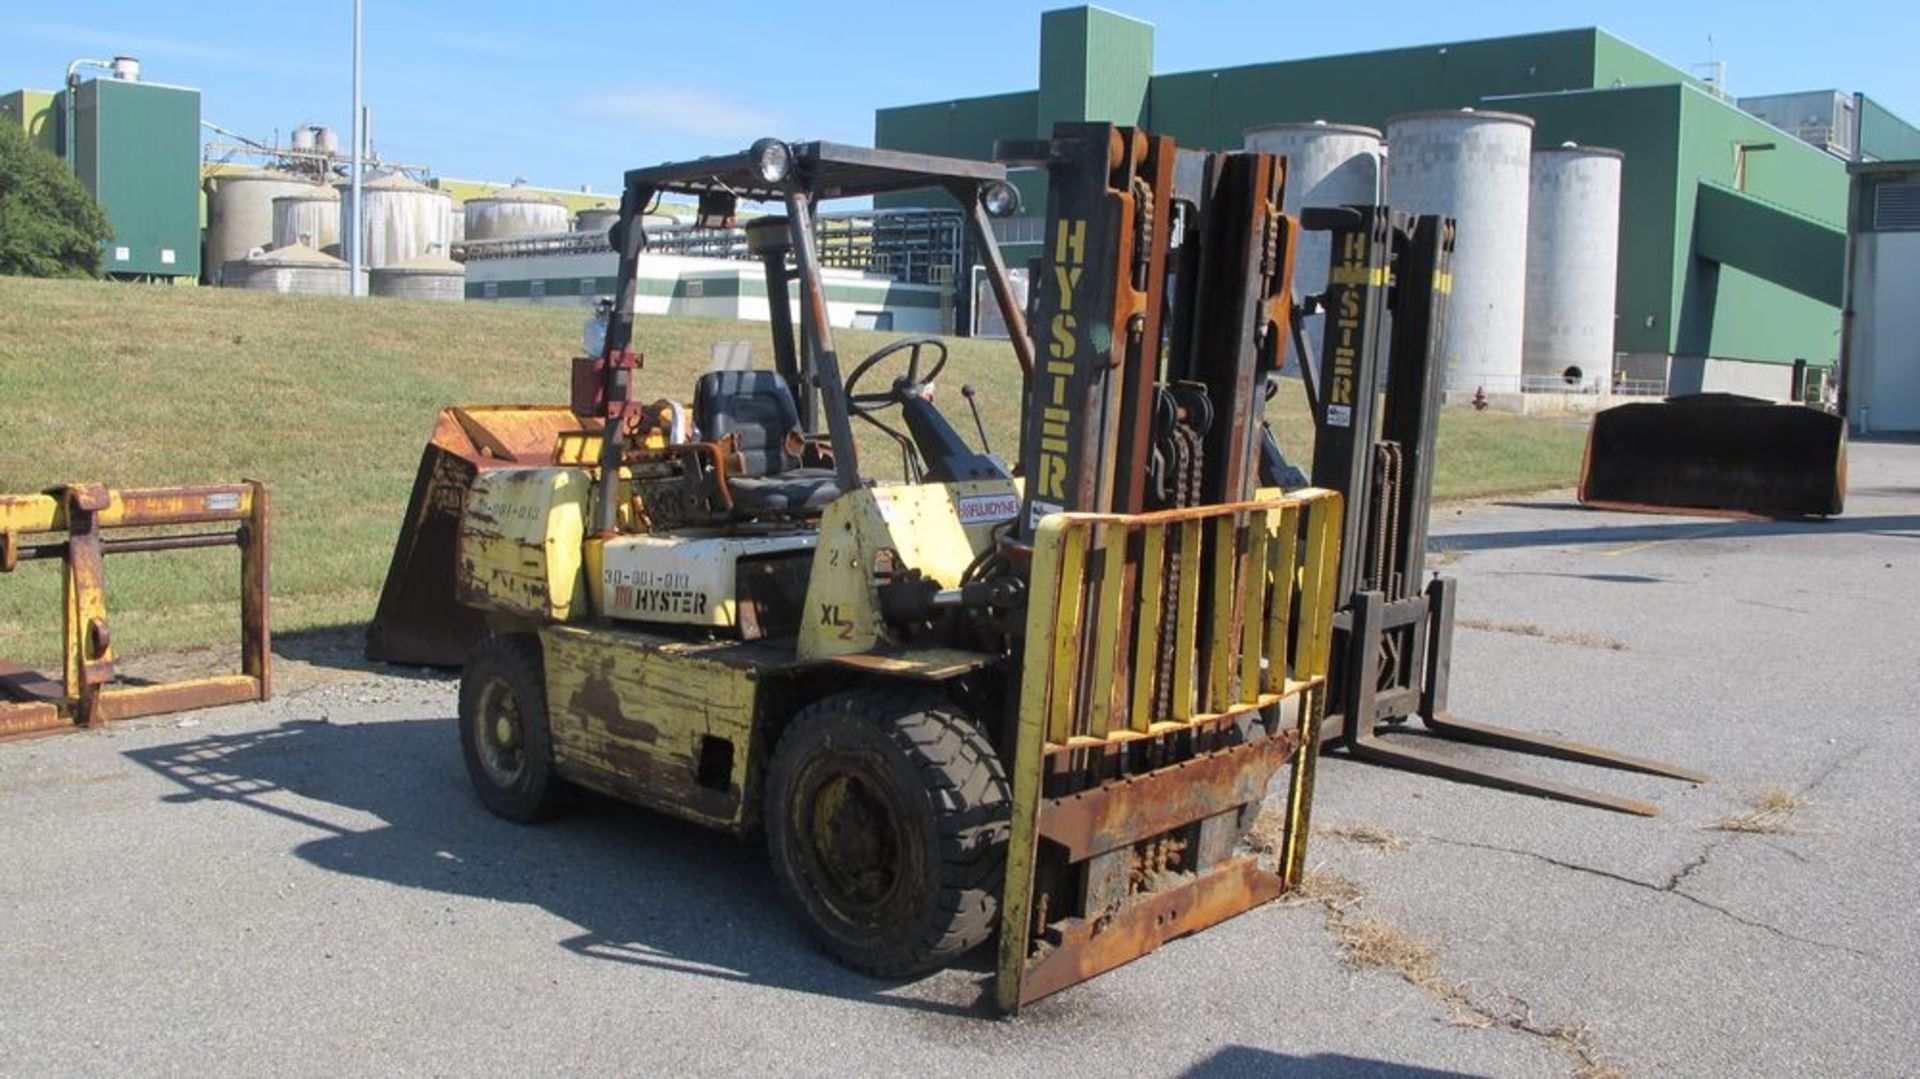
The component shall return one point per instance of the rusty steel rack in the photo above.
(80, 524)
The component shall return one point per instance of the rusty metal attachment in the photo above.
(1129, 814)
(418, 620)
(1717, 454)
(80, 525)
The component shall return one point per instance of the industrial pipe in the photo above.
(73, 85)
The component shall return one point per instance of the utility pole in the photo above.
(356, 240)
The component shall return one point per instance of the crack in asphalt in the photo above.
(1838, 762)
(1671, 887)
(1685, 871)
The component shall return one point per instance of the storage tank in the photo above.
(596, 219)
(295, 268)
(1473, 167)
(313, 213)
(403, 219)
(1327, 165)
(1573, 265)
(432, 276)
(240, 213)
(514, 211)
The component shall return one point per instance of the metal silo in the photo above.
(514, 211)
(1473, 167)
(1573, 265)
(240, 213)
(1327, 165)
(296, 268)
(596, 219)
(403, 219)
(313, 214)
(432, 276)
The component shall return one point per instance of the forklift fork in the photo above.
(1362, 738)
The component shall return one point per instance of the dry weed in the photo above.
(1772, 813)
(1365, 835)
(1528, 629)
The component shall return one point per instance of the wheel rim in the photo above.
(500, 733)
(853, 837)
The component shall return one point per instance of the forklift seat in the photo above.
(756, 408)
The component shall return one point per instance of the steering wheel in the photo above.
(862, 403)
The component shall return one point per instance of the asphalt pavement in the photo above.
(308, 886)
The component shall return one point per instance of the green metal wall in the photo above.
(1884, 136)
(1214, 108)
(137, 148)
(1764, 299)
(965, 128)
(1618, 64)
(1736, 312)
(1094, 65)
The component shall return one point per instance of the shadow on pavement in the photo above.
(1240, 1060)
(1906, 526)
(643, 889)
(343, 648)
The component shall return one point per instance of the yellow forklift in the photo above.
(1045, 700)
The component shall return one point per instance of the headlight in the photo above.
(771, 159)
(1000, 198)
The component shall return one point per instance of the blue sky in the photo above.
(574, 93)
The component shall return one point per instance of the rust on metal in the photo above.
(418, 619)
(1125, 817)
(1076, 949)
(74, 524)
(1133, 808)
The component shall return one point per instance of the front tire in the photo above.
(887, 819)
(504, 734)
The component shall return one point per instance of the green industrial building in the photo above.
(136, 148)
(1732, 231)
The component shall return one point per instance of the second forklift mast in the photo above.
(1376, 406)
(1389, 273)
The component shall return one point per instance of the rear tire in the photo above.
(504, 734)
(887, 819)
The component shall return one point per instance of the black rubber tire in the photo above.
(530, 792)
(945, 802)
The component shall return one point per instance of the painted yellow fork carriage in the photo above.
(1171, 665)
(1088, 692)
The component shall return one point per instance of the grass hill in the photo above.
(330, 400)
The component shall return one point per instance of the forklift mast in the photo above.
(1393, 647)
(1084, 435)
(1124, 415)
(1178, 619)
